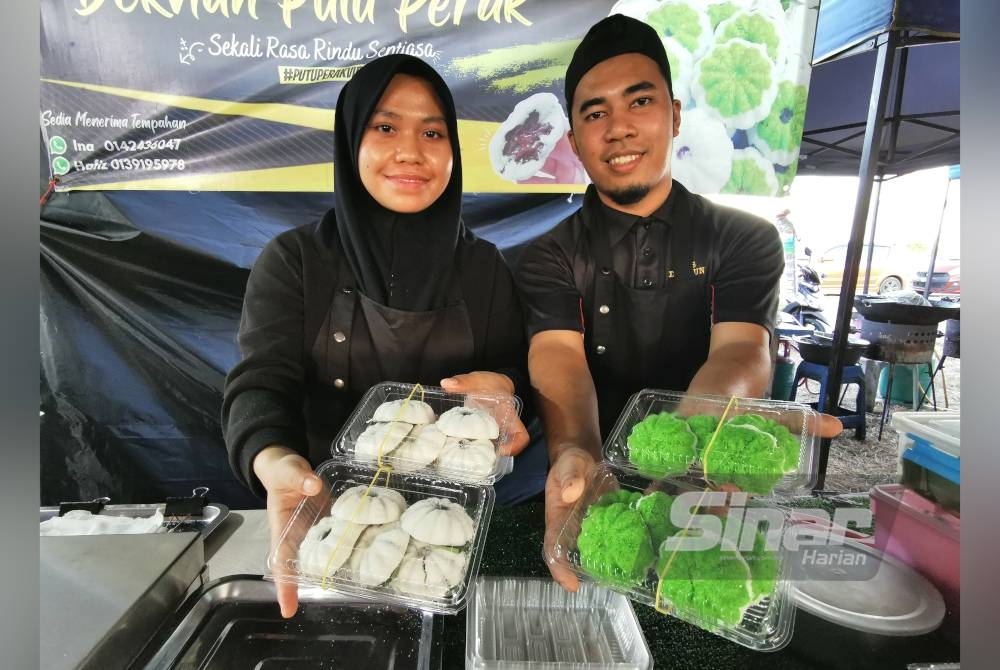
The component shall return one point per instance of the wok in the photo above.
(818, 349)
(889, 311)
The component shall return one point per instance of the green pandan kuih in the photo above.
(614, 545)
(661, 445)
(711, 584)
(746, 457)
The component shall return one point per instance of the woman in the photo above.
(389, 285)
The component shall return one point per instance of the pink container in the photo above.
(921, 534)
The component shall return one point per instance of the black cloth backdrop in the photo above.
(140, 302)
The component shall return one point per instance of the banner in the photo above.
(239, 95)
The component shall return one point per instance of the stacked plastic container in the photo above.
(918, 521)
(534, 624)
(661, 533)
(930, 455)
(407, 499)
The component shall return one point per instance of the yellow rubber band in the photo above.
(733, 402)
(382, 467)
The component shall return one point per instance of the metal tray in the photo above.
(211, 516)
(234, 622)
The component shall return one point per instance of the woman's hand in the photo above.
(288, 478)
(493, 382)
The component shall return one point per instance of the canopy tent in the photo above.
(909, 48)
(921, 128)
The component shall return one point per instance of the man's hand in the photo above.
(493, 382)
(288, 478)
(824, 425)
(564, 486)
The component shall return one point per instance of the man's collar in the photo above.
(619, 223)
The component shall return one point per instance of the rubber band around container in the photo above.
(732, 404)
(382, 468)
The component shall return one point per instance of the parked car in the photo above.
(889, 271)
(946, 279)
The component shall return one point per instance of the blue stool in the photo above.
(852, 374)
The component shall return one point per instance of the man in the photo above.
(647, 285)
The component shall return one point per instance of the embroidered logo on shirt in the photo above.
(696, 270)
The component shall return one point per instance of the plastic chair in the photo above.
(852, 374)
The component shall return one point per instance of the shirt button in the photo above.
(601, 349)
(338, 383)
(647, 282)
(347, 290)
(339, 337)
(603, 309)
(647, 251)
(647, 224)
(605, 271)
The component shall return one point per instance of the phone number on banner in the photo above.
(146, 163)
(142, 145)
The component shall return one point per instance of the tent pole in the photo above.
(937, 241)
(871, 233)
(897, 108)
(869, 167)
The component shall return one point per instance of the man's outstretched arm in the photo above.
(567, 401)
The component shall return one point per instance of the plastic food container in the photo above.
(533, 624)
(939, 430)
(796, 475)
(920, 534)
(766, 625)
(451, 462)
(930, 455)
(448, 568)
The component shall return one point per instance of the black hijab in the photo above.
(416, 252)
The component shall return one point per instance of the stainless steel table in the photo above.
(239, 545)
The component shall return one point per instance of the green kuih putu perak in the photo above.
(749, 451)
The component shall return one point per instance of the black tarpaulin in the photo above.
(140, 301)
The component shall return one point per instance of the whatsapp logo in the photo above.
(60, 165)
(57, 145)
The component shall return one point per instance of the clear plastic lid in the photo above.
(401, 538)
(763, 447)
(941, 429)
(425, 429)
(729, 576)
(527, 623)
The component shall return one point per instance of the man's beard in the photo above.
(628, 195)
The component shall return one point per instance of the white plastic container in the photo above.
(941, 430)
(766, 625)
(503, 409)
(799, 419)
(286, 563)
(524, 623)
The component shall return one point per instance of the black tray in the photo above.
(234, 622)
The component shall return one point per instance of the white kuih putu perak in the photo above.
(373, 538)
(408, 436)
